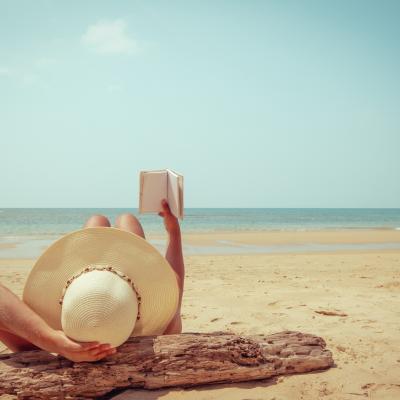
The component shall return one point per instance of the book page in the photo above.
(153, 188)
(173, 193)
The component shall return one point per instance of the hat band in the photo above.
(103, 268)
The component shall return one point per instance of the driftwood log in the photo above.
(154, 362)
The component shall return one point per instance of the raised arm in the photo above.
(21, 329)
(174, 253)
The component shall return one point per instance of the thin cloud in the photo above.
(44, 62)
(29, 79)
(24, 77)
(109, 37)
(4, 71)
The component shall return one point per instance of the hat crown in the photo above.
(99, 306)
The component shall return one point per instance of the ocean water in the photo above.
(56, 221)
(27, 232)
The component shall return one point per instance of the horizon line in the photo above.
(216, 208)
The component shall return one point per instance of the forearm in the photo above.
(174, 256)
(17, 318)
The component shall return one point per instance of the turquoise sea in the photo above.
(34, 228)
(44, 221)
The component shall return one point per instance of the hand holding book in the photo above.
(158, 185)
(170, 221)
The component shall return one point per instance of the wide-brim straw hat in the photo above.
(103, 284)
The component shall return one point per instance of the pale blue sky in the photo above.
(257, 103)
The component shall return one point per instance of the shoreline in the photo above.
(200, 233)
(239, 242)
(222, 231)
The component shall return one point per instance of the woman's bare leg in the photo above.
(97, 220)
(128, 222)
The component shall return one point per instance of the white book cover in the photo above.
(161, 184)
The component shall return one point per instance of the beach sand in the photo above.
(267, 293)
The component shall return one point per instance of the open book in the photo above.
(158, 185)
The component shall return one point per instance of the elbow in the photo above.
(175, 327)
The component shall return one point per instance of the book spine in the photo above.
(181, 196)
(141, 180)
(167, 185)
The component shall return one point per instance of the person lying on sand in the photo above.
(115, 263)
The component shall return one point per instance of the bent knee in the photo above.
(126, 217)
(130, 223)
(97, 220)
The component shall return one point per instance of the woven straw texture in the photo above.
(94, 304)
(124, 251)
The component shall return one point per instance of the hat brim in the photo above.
(129, 253)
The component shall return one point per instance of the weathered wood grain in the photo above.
(154, 362)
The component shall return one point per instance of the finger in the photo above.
(100, 349)
(79, 347)
(165, 206)
(103, 354)
(103, 347)
(89, 345)
(95, 353)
